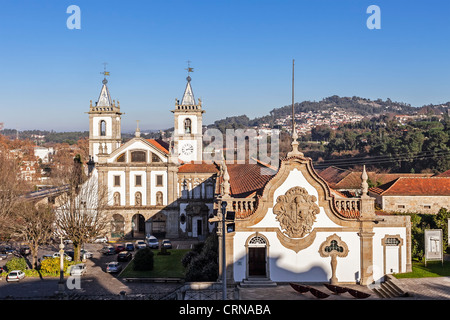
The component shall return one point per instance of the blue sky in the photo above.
(241, 52)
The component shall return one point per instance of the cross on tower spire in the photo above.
(105, 73)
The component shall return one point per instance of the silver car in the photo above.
(113, 267)
(78, 269)
(15, 275)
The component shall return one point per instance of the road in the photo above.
(95, 284)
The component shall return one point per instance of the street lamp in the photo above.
(224, 262)
(61, 286)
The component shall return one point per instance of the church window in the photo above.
(334, 247)
(155, 158)
(392, 241)
(257, 241)
(138, 156)
(187, 125)
(138, 180)
(121, 158)
(184, 189)
(116, 181)
(103, 128)
(209, 190)
(159, 180)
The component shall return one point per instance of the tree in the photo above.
(34, 225)
(81, 214)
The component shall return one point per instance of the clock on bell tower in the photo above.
(187, 138)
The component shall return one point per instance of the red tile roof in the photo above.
(247, 179)
(444, 174)
(417, 186)
(203, 167)
(159, 144)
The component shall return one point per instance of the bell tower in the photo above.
(104, 123)
(187, 138)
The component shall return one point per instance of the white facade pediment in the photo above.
(137, 144)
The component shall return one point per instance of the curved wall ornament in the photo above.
(333, 247)
(296, 212)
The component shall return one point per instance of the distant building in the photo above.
(44, 153)
(413, 194)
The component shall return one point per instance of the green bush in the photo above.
(202, 265)
(51, 266)
(16, 264)
(143, 260)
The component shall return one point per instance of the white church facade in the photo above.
(290, 226)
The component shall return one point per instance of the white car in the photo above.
(66, 256)
(153, 242)
(85, 253)
(140, 244)
(78, 269)
(101, 240)
(15, 275)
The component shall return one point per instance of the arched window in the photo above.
(103, 128)
(138, 156)
(187, 125)
(121, 158)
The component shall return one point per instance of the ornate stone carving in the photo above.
(296, 211)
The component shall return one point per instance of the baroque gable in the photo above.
(151, 152)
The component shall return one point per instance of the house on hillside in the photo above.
(413, 194)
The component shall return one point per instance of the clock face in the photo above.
(187, 149)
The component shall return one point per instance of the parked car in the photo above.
(25, 250)
(167, 244)
(85, 253)
(47, 256)
(66, 256)
(78, 269)
(124, 256)
(6, 250)
(101, 240)
(108, 250)
(140, 244)
(153, 242)
(120, 248)
(129, 246)
(113, 267)
(15, 275)
(68, 241)
(3, 256)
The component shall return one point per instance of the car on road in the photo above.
(15, 275)
(78, 269)
(86, 254)
(153, 242)
(108, 250)
(140, 244)
(66, 256)
(129, 246)
(166, 244)
(3, 256)
(120, 248)
(25, 250)
(101, 240)
(68, 241)
(124, 256)
(6, 250)
(113, 267)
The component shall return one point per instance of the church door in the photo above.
(257, 262)
(257, 257)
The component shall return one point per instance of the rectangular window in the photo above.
(138, 181)
(401, 206)
(427, 206)
(159, 180)
(116, 181)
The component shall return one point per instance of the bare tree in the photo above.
(34, 225)
(81, 213)
(12, 189)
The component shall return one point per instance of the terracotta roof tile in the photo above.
(160, 145)
(444, 174)
(203, 167)
(246, 179)
(417, 186)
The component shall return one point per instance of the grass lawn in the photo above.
(168, 266)
(433, 269)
